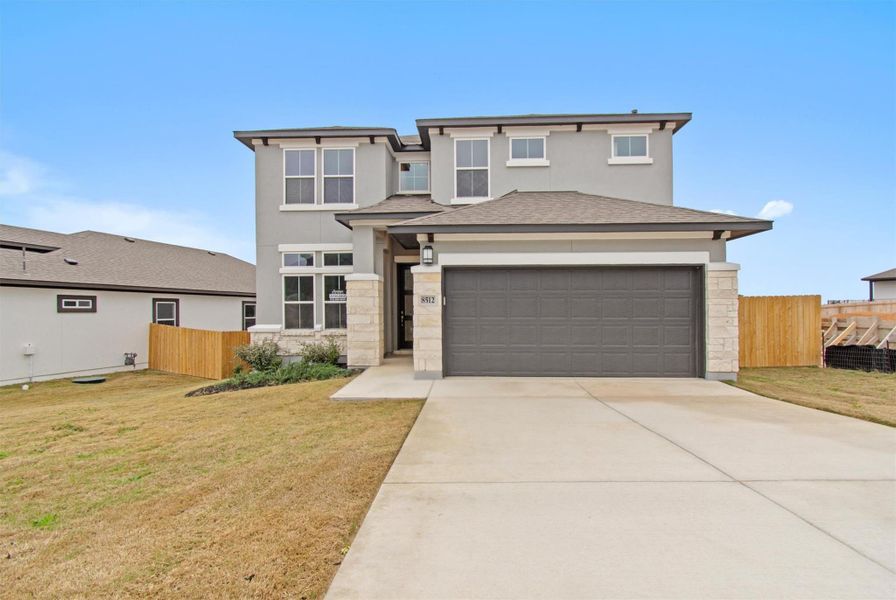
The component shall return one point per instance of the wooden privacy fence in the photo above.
(198, 352)
(780, 331)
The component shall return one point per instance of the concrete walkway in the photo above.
(539, 488)
(393, 380)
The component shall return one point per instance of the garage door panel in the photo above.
(596, 321)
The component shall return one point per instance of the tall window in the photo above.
(527, 148)
(413, 177)
(299, 170)
(298, 302)
(165, 311)
(471, 168)
(334, 302)
(629, 145)
(248, 315)
(339, 176)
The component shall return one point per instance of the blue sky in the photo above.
(118, 116)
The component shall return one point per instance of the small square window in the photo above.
(527, 148)
(413, 177)
(629, 145)
(165, 311)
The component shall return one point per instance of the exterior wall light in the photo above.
(427, 255)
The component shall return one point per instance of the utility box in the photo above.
(28, 349)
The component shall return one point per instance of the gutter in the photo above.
(27, 283)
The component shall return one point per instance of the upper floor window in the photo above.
(298, 259)
(339, 176)
(471, 168)
(299, 170)
(629, 146)
(413, 177)
(527, 148)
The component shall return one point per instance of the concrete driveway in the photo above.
(603, 488)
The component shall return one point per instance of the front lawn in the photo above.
(869, 396)
(127, 488)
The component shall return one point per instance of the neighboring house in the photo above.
(881, 286)
(75, 304)
(515, 245)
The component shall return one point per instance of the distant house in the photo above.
(882, 286)
(76, 304)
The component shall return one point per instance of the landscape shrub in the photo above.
(263, 356)
(323, 351)
(291, 373)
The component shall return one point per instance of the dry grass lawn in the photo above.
(128, 488)
(869, 396)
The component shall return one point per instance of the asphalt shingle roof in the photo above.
(105, 259)
(402, 203)
(887, 275)
(571, 208)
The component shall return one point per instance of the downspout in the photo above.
(870, 291)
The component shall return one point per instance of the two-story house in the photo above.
(511, 245)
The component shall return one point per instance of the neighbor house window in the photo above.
(298, 259)
(629, 146)
(339, 176)
(299, 170)
(248, 315)
(527, 148)
(413, 177)
(166, 311)
(471, 168)
(337, 259)
(334, 302)
(298, 302)
(71, 304)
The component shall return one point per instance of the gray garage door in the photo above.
(606, 321)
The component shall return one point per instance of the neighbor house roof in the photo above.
(888, 275)
(412, 143)
(94, 260)
(576, 212)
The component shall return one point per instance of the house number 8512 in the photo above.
(427, 299)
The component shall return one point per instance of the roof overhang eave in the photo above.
(346, 218)
(246, 137)
(737, 229)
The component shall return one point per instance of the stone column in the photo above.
(365, 341)
(427, 322)
(722, 348)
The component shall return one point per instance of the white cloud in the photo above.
(775, 208)
(723, 211)
(29, 198)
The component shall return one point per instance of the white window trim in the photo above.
(324, 176)
(527, 162)
(311, 177)
(630, 160)
(324, 286)
(428, 177)
(488, 169)
(317, 207)
(76, 303)
(284, 302)
(155, 309)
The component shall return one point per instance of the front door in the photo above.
(405, 306)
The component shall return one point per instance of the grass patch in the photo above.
(868, 396)
(249, 493)
(3, 454)
(46, 521)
